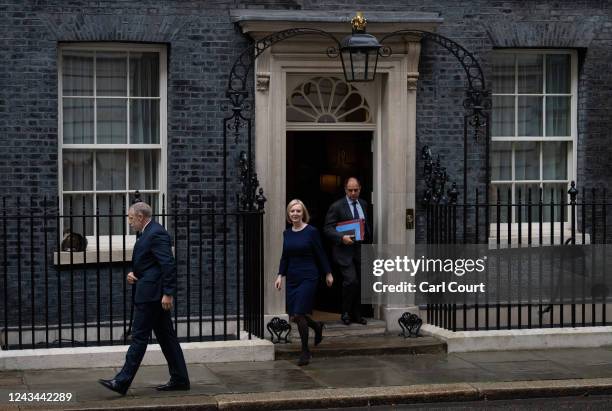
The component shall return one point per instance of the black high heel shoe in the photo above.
(319, 334)
(304, 358)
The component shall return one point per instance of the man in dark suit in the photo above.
(154, 277)
(346, 252)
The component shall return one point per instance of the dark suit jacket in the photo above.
(338, 212)
(153, 264)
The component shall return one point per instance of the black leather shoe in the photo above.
(173, 386)
(319, 333)
(304, 358)
(114, 385)
(361, 321)
(346, 319)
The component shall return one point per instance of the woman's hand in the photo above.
(329, 279)
(278, 284)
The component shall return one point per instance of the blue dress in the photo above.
(302, 262)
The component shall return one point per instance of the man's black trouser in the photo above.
(351, 286)
(152, 317)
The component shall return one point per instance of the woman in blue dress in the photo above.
(302, 261)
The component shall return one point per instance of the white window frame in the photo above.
(572, 159)
(117, 240)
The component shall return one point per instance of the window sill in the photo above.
(92, 256)
(547, 238)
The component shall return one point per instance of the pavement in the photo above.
(332, 382)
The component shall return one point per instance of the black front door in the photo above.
(318, 162)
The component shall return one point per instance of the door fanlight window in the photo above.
(327, 100)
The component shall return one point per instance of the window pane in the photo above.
(556, 193)
(78, 121)
(144, 121)
(503, 73)
(501, 161)
(144, 74)
(527, 161)
(530, 116)
(77, 73)
(78, 214)
(112, 121)
(504, 199)
(503, 116)
(77, 170)
(110, 170)
(554, 159)
(558, 73)
(111, 74)
(144, 169)
(530, 71)
(525, 190)
(111, 216)
(558, 114)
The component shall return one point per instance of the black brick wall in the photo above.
(202, 45)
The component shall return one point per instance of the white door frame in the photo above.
(394, 140)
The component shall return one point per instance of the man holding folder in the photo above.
(349, 211)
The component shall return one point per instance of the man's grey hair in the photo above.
(142, 208)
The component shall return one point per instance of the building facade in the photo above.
(101, 99)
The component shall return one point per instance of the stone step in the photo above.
(381, 344)
(338, 329)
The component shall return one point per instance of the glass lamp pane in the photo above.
(144, 166)
(554, 160)
(372, 61)
(359, 61)
(348, 65)
(78, 120)
(111, 74)
(501, 160)
(144, 74)
(77, 73)
(110, 170)
(558, 114)
(112, 121)
(530, 116)
(527, 161)
(503, 73)
(503, 116)
(558, 73)
(77, 170)
(144, 121)
(530, 73)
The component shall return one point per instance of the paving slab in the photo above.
(573, 356)
(387, 344)
(267, 380)
(333, 381)
(437, 362)
(358, 377)
(498, 356)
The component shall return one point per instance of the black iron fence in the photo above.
(63, 271)
(557, 239)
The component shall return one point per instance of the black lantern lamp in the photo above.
(359, 52)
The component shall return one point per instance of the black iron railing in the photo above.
(57, 292)
(551, 236)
